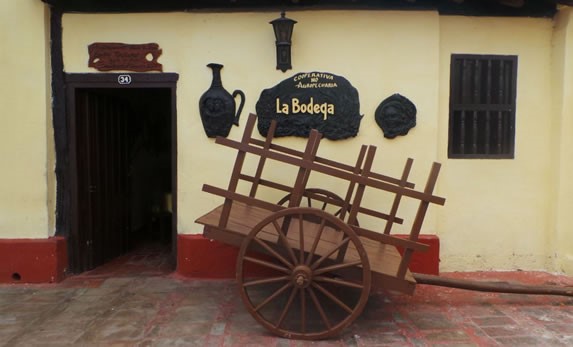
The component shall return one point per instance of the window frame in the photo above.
(483, 107)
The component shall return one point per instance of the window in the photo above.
(482, 106)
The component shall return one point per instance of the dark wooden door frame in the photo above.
(110, 80)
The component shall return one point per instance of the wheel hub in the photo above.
(302, 276)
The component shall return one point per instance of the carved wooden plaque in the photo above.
(108, 56)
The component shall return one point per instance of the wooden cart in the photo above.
(305, 272)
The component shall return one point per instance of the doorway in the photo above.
(123, 166)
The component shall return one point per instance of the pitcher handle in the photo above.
(241, 104)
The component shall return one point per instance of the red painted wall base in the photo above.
(425, 262)
(203, 258)
(33, 260)
(45, 260)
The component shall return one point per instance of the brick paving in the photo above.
(140, 303)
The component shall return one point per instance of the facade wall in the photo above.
(499, 214)
(361, 46)
(25, 99)
(498, 211)
(562, 240)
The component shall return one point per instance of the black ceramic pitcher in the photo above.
(217, 106)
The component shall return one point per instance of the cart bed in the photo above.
(384, 258)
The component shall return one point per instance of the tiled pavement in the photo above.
(143, 306)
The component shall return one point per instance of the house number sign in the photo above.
(310, 100)
(124, 79)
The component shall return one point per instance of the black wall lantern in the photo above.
(283, 32)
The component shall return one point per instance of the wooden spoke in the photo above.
(287, 307)
(266, 281)
(315, 243)
(332, 297)
(274, 253)
(284, 241)
(334, 249)
(336, 267)
(302, 310)
(301, 238)
(267, 264)
(319, 308)
(338, 281)
(273, 296)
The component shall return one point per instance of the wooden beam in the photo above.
(493, 287)
(513, 8)
(512, 3)
(59, 123)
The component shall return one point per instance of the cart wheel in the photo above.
(325, 206)
(301, 295)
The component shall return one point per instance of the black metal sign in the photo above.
(311, 100)
(396, 115)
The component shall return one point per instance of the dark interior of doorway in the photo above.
(124, 171)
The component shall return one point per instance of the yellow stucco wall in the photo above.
(24, 96)
(498, 211)
(361, 46)
(561, 229)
